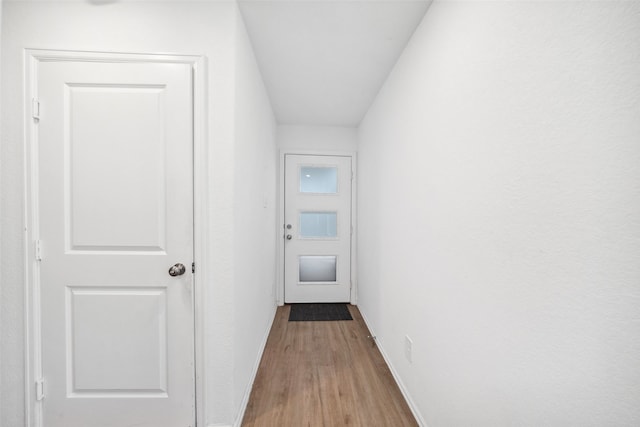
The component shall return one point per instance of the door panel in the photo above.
(115, 185)
(318, 228)
(136, 357)
(111, 129)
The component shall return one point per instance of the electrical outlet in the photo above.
(408, 348)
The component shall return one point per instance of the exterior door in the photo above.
(115, 209)
(317, 228)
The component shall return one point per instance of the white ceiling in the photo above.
(324, 61)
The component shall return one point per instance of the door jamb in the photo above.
(281, 222)
(32, 343)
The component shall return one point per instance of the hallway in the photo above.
(324, 374)
(495, 211)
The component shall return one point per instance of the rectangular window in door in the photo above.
(318, 225)
(319, 180)
(318, 268)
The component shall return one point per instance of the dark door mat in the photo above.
(324, 311)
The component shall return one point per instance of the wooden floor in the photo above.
(324, 374)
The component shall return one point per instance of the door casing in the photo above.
(281, 219)
(32, 350)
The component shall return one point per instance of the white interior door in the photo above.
(115, 209)
(317, 228)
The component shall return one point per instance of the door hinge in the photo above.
(193, 267)
(40, 389)
(38, 250)
(35, 108)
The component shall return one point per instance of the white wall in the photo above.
(499, 214)
(317, 138)
(1, 135)
(202, 28)
(254, 218)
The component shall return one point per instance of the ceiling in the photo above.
(324, 61)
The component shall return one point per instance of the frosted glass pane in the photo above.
(318, 179)
(318, 224)
(318, 268)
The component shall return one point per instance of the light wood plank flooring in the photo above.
(324, 374)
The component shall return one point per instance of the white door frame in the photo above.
(32, 344)
(281, 220)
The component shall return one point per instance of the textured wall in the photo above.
(499, 214)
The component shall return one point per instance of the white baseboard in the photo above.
(403, 389)
(247, 392)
